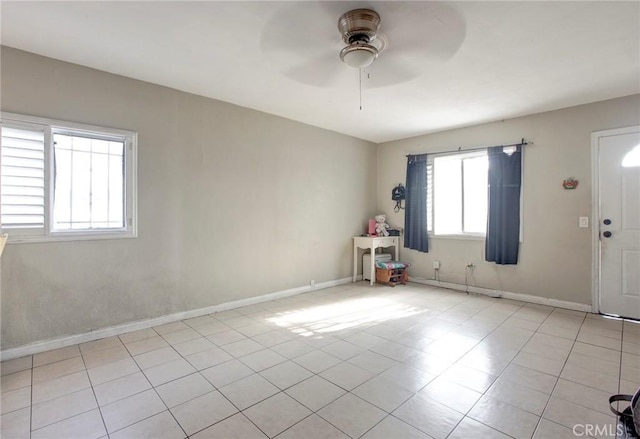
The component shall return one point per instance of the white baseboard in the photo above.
(507, 295)
(71, 340)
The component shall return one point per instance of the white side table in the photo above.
(372, 243)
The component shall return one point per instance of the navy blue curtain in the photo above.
(415, 214)
(503, 222)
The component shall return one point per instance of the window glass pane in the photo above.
(475, 194)
(89, 183)
(447, 195)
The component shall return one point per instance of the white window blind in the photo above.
(23, 177)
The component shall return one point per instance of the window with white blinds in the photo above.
(65, 181)
(23, 184)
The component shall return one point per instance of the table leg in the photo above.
(355, 262)
(373, 267)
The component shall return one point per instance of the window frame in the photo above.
(51, 127)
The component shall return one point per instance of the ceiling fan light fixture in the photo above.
(358, 55)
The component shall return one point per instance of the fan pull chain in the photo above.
(360, 71)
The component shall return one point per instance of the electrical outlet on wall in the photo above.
(436, 265)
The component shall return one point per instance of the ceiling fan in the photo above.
(393, 41)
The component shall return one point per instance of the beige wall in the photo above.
(233, 203)
(555, 256)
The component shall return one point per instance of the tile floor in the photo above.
(352, 361)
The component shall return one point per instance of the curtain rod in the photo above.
(521, 143)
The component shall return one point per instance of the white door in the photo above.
(618, 177)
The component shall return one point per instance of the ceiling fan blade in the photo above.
(299, 29)
(426, 30)
(390, 70)
(322, 71)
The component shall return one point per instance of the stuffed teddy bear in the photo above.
(381, 225)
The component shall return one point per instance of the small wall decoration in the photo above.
(570, 183)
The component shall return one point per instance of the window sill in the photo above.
(460, 237)
(24, 239)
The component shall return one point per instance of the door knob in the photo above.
(607, 234)
(607, 222)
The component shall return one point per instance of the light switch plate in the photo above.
(583, 222)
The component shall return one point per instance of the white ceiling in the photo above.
(448, 64)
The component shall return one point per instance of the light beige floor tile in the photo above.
(16, 425)
(470, 428)
(453, 395)
(582, 395)
(234, 427)
(202, 412)
(365, 340)
(317, 361)
(312, 427)
(248, 391)
(112, 371)
(15, 399)
(607, 382)
(63, 407)
(99, 345)
(263, 359)
(272, 338)
(184, 389)
(541, 364)
(383, 393)
(16, 365)
(226, 337)
(138, 335)
(56, 387)
(407, 377)
(146, 345)
(121, 388)
(208, 358)
(592, 363)
(15, 380)
(254, 329)
(431, 364)
(193, 346)
(315, 392)
(373, 362)
(166, 372)
(167, 328)
(504, 417)
(285, 375)
(87, 425)
(242, 347)
(276, 414)
(428, 416)
(547, 430)
(599, 340)
(343, 350)
(55, 355)
(519, 396)
(392, 427)
(128, 411)
(60, 368)
(346, 375)
(468, 377)
(351, 415)
(156, 357)
(160, 426)
(197, 322)
(226, 373)
(569, 415)
(95, 358)
(181, 336)
(529, 378)
(215, 327)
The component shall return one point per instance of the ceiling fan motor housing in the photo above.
(359, 25)
(359, 28)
